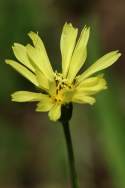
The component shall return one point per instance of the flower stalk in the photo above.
(65, 117)
(74, 179)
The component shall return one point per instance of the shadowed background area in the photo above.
(32, 149)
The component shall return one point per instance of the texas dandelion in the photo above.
(57, 90)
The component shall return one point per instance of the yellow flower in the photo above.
(57, 89)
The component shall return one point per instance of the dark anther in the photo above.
(74, 81)
(57, 81)
(60, 87)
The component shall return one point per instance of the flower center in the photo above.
(62, 85)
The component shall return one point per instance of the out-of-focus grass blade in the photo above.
(109, 118)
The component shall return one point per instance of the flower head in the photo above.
(57, 89)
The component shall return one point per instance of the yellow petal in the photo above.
(68, 95)
(27, 96)
(67, 44)
(55, 112)
(23, 71)
(21, 55)
(89, 81)
(52, 88)
(83, 99)
(92, 85)
(45, 105)
(39, 59)
(42, 80)
(104, 62)
(79, 54)
(37, 42)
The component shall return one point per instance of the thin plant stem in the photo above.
(73, 173)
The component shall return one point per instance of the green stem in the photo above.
(73, 173)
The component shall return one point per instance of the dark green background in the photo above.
(32, 149)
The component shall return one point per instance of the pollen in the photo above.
(62, 84)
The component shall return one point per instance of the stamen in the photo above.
(61, 84)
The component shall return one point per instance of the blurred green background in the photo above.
(32, 149)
